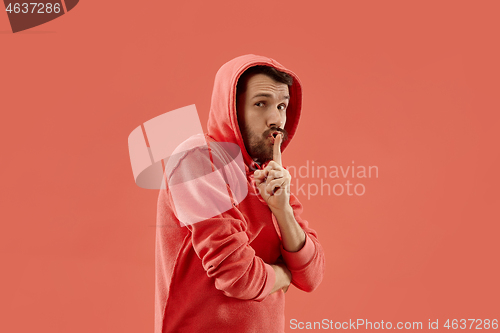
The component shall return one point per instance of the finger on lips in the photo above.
(277, 148)
(273, 173)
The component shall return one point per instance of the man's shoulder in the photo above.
(199, 156)
(205, 178)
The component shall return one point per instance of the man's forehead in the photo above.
(268, 95)
(261, 85)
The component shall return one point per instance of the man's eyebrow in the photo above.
(269, 96)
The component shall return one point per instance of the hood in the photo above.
(223, 119)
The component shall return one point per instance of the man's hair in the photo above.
(271, 72)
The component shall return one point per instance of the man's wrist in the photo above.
(283, 214)
(292, 235)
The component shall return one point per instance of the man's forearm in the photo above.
(292, 235)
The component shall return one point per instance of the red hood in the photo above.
(223, 121)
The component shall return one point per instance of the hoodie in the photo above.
(215, 275)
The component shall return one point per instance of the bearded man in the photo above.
(230, 272)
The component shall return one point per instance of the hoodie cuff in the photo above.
(269, 284)
(300, 259)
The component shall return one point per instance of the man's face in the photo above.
(262, 113)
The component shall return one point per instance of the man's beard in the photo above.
(258, 145)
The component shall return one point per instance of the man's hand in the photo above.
(274, 186)
(283, 278)
(274, 181)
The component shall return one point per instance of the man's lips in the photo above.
(273, 136)
(273, 133)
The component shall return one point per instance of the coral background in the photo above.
(411, 87)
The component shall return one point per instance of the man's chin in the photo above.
(262, 158)
(262, 153)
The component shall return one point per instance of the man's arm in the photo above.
(301, 249)
(221, 241)
(292, 234)
(307, 264)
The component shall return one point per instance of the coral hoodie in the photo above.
(215, 275)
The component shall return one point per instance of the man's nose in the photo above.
(275, 118)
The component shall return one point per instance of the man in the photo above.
(229, 272)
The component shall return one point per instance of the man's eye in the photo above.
(281, 107)
(259, 104)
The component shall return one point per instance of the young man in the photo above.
(230, 272)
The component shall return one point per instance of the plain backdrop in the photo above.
(409, 87)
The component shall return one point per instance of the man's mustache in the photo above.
(271, 130)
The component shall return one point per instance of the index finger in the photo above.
(277, 148)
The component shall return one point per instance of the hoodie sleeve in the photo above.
(223, 247)
(221, 240)
(308, 264)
